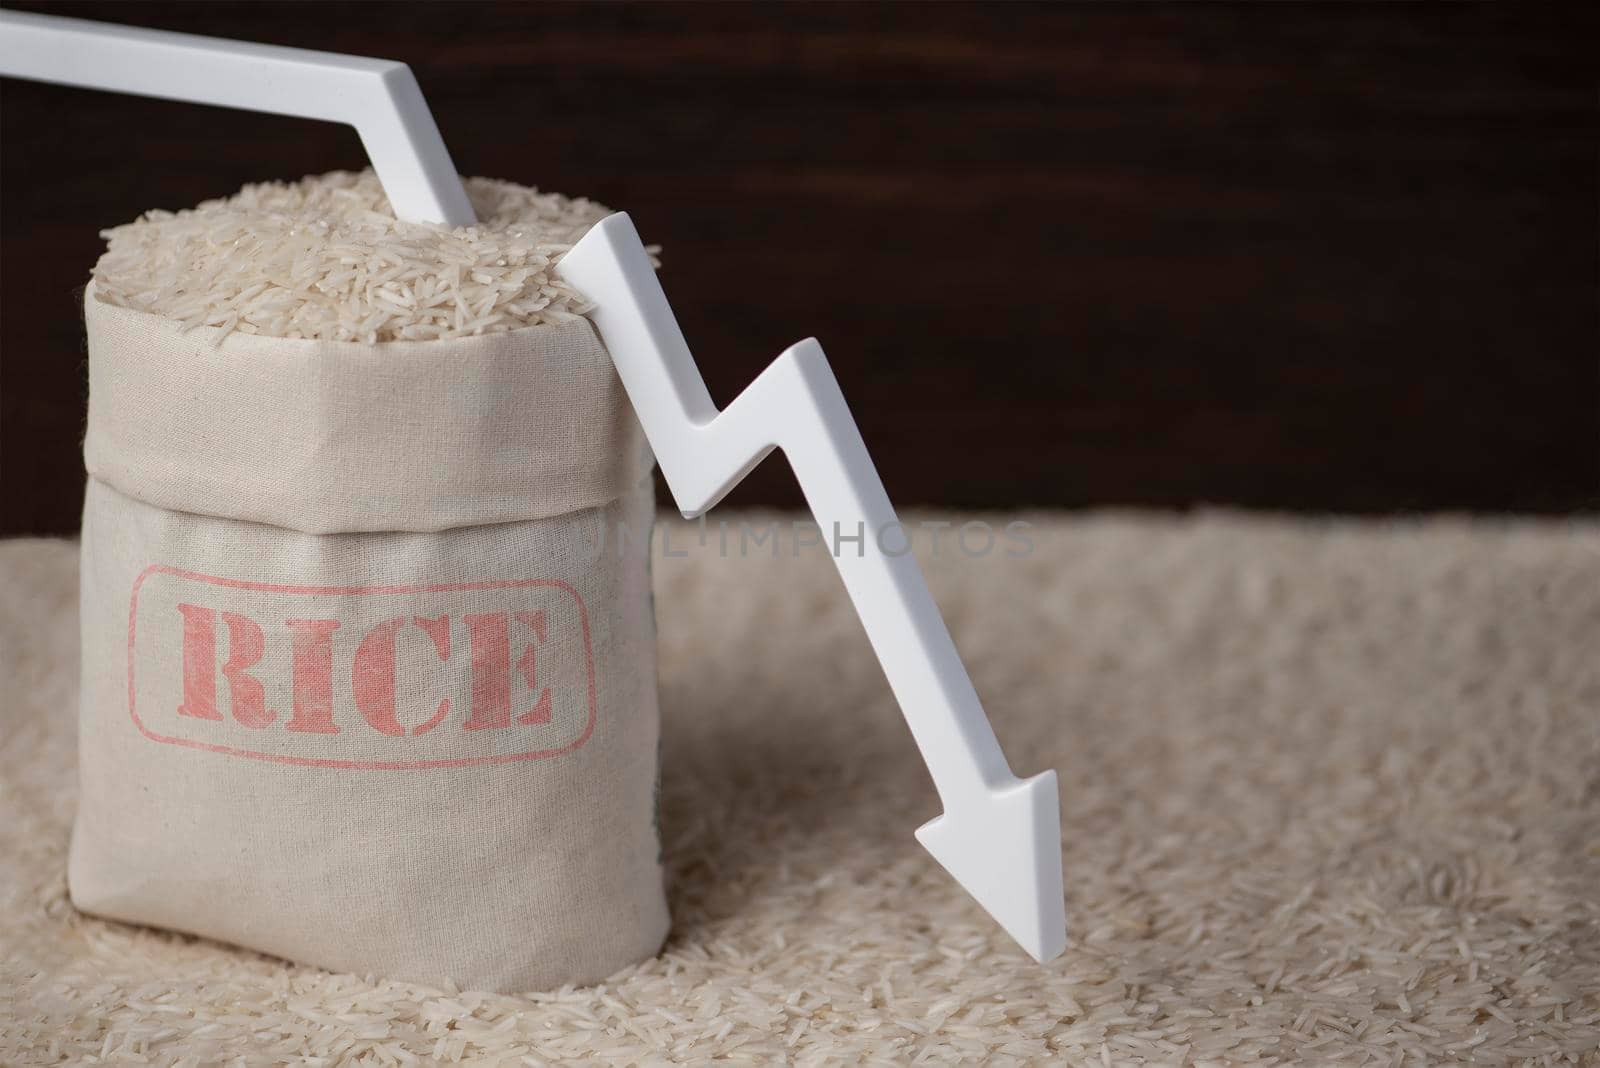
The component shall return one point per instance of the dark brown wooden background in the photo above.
(1294, 257)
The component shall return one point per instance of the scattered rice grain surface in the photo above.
(1330, 796)
(325, 258)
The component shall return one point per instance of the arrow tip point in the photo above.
(1005, 849)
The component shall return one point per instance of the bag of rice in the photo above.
(368, 647)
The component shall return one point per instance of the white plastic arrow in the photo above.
(379, 97)
(999, 836)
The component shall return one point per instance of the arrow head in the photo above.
(1004, 847)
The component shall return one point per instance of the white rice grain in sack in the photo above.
(368, 648)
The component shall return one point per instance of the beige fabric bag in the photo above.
(368, 652)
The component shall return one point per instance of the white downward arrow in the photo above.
(999, 835)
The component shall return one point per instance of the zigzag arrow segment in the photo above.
(999, 836)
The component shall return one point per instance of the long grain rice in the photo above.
(1290, 775)
(325, 258)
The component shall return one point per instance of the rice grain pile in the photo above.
(325, 258)
(1331, 795)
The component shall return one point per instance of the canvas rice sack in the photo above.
(368, 649)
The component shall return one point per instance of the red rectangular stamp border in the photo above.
(364, 765)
